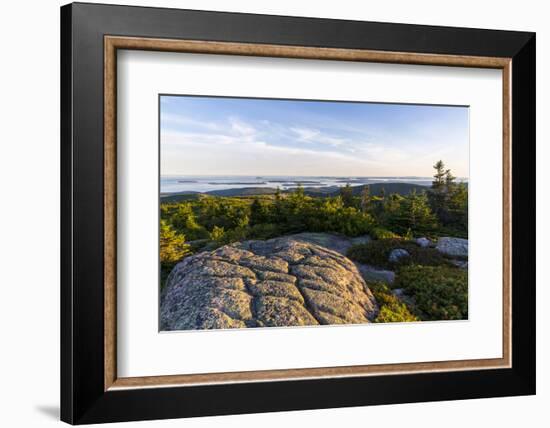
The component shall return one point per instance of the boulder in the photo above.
(397, 254)
(462, 264)
(279, 282)
(370, 273)
(423, 242)
(454, 247)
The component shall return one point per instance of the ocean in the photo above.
(195, 183)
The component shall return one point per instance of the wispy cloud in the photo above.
(225, 136)
(315, 136)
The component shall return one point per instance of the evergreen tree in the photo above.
(185, 222)
(277, 194)
(299, 193)
(258, 212)
(438, 195)
(419, 216)
(365, 199)
(172, 245)
(449, 180)
(278, 212)
(438, 184)
(346, 193)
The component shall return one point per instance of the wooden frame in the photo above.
(75, 389)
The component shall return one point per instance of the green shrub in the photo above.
(391, 308)
(173, 249)
(440, 293)
(217, 234)
(172, 244)
(381, 233)
(376, 253)
(264, 231)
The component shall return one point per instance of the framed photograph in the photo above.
(266, 213)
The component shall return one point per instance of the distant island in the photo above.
(375, 189)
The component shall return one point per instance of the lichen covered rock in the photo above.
(423, 242)
(397, 254)
(454, 247)
(274, 283)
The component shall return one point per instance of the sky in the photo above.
(247, 136)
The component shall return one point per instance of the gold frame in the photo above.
(113, 43)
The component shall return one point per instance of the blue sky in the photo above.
(232, 136)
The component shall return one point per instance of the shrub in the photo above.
(264, 231)
(183, 219)
(391, 308)
(441, 293)
(172, 245)
(217, 234)
(173, 248)
(381, 233)
(376, 253)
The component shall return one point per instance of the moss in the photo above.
(376, 253)
(441, 293)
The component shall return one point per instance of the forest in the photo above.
(204, 222)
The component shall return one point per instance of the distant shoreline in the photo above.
(262, 185)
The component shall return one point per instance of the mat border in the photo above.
(113, 44)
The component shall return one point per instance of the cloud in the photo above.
(209, 154)
(241, 128)
(268, 147)
(308, 135)
(179, 121)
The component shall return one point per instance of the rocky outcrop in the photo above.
(453, 247)
(279, 282)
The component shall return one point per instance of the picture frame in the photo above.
(91, 390)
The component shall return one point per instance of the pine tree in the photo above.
(259, 212)
(450, 184)
(346, 193)
(365, 199)
(277, 194)
(438, 184)
(438, 197)
(299, 193)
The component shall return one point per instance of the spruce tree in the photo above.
(450, 184)
(346, 193)
(365, 199)
(438, 184)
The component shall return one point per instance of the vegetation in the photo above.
(224, 219)
(440, 293)
(194, 222)
(449, 201)
(391, 308)
(376, 253)
(172, 248)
